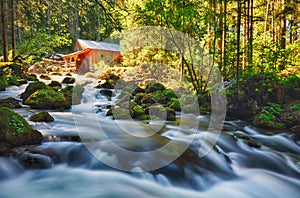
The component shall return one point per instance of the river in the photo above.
(79, 157)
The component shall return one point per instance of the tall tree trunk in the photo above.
(250, 59)
(99, 23)
(224, 36)
(266, 23)
(4, 31)
(245, 33)
(49, 17)
(13, 30)
(220, 35)
(76, 24)
(273, 22)
(238, 40)
(283, 26)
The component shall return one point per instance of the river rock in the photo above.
(154, 86)
(68, 80)
(105, 85)
(3, 82)
(175, 104)
(290, 118)
(15, 130)
(32, 77)
(42, 117)
(47, 99)
(106, 92)
(45, 77)
(161, 112)
(73, 94)
(55, 84)
(10, 103)
(37, 68)
(31, 88)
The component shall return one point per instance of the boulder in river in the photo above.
(68, 80)
(31, 88)
(55, 84)
(154, 86)
(10, 103)
(15, 130)
(73, 94)
(42, 117)
(47, 99)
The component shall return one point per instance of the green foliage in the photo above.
(296, 107)
(42, 43)
(270, 113)
(292, 82)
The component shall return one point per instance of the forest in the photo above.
(220, 82)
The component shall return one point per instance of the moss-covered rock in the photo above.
(3, 83)
(122, 100)
(148, 99)
(55, 74)
(54, 84)
(175, 104)
(68, 80)
(13, 80)
(161, 112)
(154, 86)
(42, 117)
(189, 104)
(106, 92)
(122, 114)
(45, 77)
(105, 85)
(139, 97)
(32, 77)
(73, 94)
(10, 103)
(164, 97)
(15, 131)
(47, 99)
(31, 88)
(138, 112)
(22, 81)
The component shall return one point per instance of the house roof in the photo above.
(75, 53)
(87, 44)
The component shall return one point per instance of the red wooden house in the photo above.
(88, 53)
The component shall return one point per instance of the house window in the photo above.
(102, 56)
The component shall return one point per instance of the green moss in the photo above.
(13, 80)
(3, 83)
(120, 113)
(175, 104)
(15, 130)
(12, 124)
(42, 117)
(163, 97)
(154, 86)
(73, 94)
(139, 112)
(47, 99)
(33, 87)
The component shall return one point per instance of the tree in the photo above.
(4, 30)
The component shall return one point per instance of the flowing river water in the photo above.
(245, 161)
